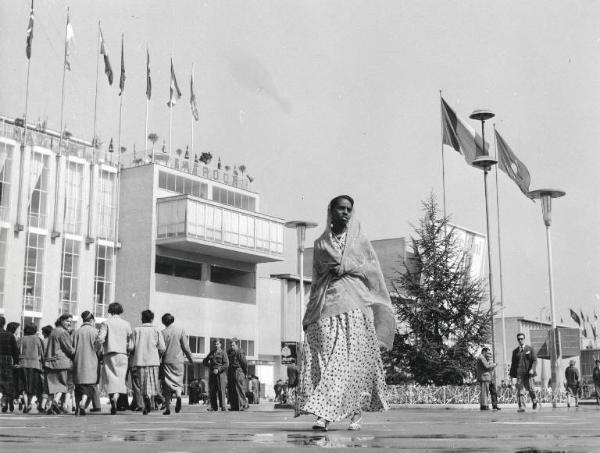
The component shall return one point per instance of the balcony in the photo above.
(201, 226)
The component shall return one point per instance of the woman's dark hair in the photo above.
(87, 316)
(168, 319)
(46, 330)
(12, 327)
(29, 329)
(115, 308)
(147, 316)
(341, 197)
(61, 318)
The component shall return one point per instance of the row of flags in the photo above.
(175, 92)
(581, 321)
(461, 136)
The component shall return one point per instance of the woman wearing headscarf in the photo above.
(31, 359)
(58, 360)
(85, 363)
(148, 346)
(348, 318)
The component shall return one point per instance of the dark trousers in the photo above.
(217, 387)
(237, 396)
(493, 394)
(138, 400)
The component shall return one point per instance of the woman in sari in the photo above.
(31, 359)
(348, 318)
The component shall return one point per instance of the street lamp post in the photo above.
(546, 196)
(301, 226)
(485, 163)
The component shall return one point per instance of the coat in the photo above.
(530, 361)
(484, 369)
(148, 345)
(115, 335)
(60, 351)
(216, 360)
(31, 349)
(85, 363)
(176, 345)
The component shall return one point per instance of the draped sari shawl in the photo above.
(352, 279)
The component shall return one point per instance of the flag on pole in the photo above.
(107, 67)
(122, 78)
(584, 333)
(459, 135)
(29, 39)
(110, 146)
(510, 164)
(594, 333)
(148, 79)
(193, 103)
(69, 41)
(575, 317)
(175, 92)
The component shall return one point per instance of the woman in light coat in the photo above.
(85, 363)
(31, 358)
(58, 360)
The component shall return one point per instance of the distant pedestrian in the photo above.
(57, 362)
(116, 338)
(572, 383)
(85, 362)
(172, 363)
(236, 377)
(9, 357)
(522, 368)
(596, 379)
(217, 363)
(492, 386)
(484, 377)
(31, 360)
(278, 388)
(148, 346)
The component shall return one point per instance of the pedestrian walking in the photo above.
(172, 364)
(348, 317)
(596, 379)
(522, 368)
(236, 377)
(484, 377)
(572, 383)
(85, 362)
(31, 360)
(217, 363)
(116, 338)
(9, 356)
(57, 362)
(148, 346)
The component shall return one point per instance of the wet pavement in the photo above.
(266, 429)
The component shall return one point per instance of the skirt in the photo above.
(114, 373)
(31, 381)
(172, 375)
(7, 376)
(341, 370)
(149, 384)
(57, 381)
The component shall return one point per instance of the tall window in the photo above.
(38, 190)
(231, 198)
(34, 266)
(3, 235)
(69, 277)
(106, 205)
(196, 344)
(181, 184)
(5, 166)
(74, 198)
(103, 280)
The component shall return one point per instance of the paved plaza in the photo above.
(263, 428)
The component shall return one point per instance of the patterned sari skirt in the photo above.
(341, 370)
(149, 383)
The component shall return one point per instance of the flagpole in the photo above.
(118, 175)
(443, 161)
(502, 306)
(147, 107)
(170, 127)
(96, 94)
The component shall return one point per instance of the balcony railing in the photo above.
(206, 222)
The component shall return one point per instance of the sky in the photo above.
(318, 98)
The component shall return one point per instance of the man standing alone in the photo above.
(217, 363)
(596, 379)
(522, 368)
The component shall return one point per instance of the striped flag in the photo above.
(510, 164)
(175, 92)
(193, 103)
(459, 135)
(107, 67)
(29, 39)
(69, 41)
(148, 79)
(122, 78)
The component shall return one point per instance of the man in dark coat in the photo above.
(217, 363)
(572, 383)
(522, 368)
(596, 379)
(236, 377)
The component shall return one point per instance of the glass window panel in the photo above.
(162, 180)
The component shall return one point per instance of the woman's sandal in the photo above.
(320, 424)
(355, 424)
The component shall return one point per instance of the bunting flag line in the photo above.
(110, 146)
(193, 103)
(107, 67)
(582, 316)
(510, 164)
(459, 135)
(122, 78)
(575, 317)
(148, 79)
(594, 333)
(69, 41)
(29, 38)
(175, 92)
(584, 333)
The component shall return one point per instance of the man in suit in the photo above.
(484, 377)
(217, 363)
(522, 368)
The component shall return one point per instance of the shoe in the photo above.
(568, 404)
(496, 408)
(167, 412)
(178, 405)
(81, 410)
(27, 409)
(521, 409)
(320, 424)
(535, 405)
(355, 425)
(484, 408)
(11, 406)
(5, 408)
(113, 407)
